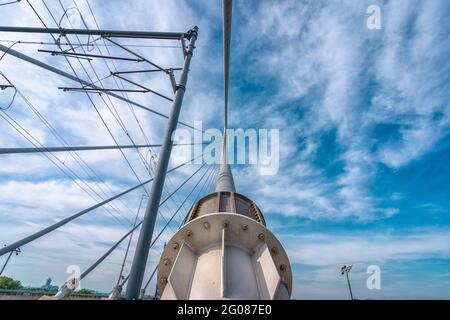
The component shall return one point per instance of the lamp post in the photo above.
(345, 270)
(17, 251)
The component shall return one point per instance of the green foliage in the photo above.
(9, 283)
(85, 291)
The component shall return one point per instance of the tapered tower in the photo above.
(224, 250)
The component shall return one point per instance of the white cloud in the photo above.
(371, 247)
(302, 50)
(318, 257)
(326, 50)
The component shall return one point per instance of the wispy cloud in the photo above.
(368, 247)
(351, 105)
(338, 75)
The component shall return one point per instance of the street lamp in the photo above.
(345, 270)
(17, 251)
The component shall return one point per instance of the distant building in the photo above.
(48, 286)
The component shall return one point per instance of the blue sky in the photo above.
(364, 119)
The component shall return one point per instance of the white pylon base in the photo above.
(224, 256)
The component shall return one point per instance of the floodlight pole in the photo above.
(346, 270)
(151, 211)
(349, 286)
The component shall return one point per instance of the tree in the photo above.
(9, 283)
(85, 291)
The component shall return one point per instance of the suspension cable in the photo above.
(178, 209)
(76, 215)
(118, 118)
(79, 160)
(87, 94)
(206, 183)
(227, 12)
(124, 94)
(107, 253)
(129, 241)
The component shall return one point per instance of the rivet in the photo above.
(189, 233)
(166, 261)
(283, 267)
(163, 280)
(225, 224)
(206, 225)
(244, 227)
(175, 245)
(261, 236)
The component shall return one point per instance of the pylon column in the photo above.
(151, 211)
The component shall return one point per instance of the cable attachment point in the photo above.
(180, 86)
(192, 33)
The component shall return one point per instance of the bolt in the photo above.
(244, 227)
(225, 224)
(175, 245)
(261, 236)
(283, 267)
(189, 233)
(274, 250)
(163, 280)
(166, 261)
